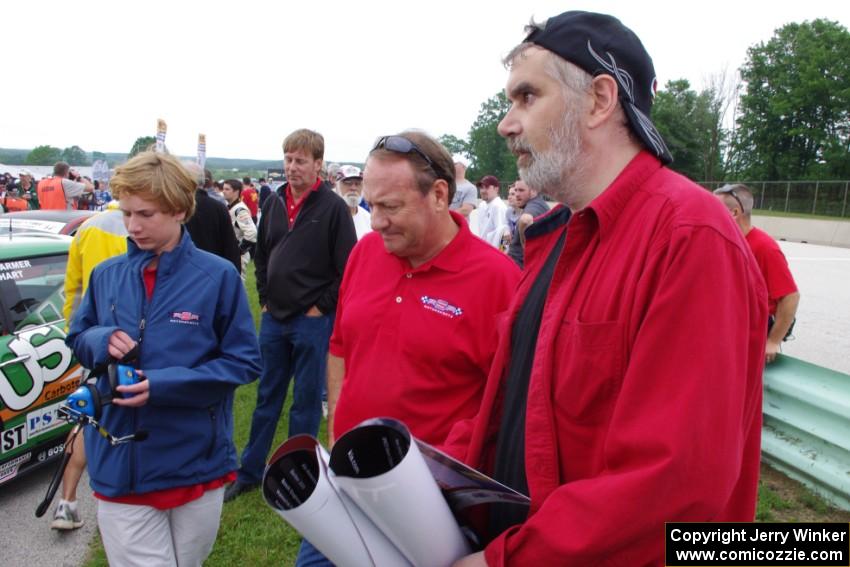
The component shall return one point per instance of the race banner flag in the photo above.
(202, 150)
(100, 171)
(161, 127)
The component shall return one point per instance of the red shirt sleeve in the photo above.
(777, 276)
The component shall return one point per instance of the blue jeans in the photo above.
(309, 556)
(299, 348)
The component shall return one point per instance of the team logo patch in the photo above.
(185, 318)
(441, 307)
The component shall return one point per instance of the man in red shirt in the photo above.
(626, 389)
(415, 331)
(782, 294)
(250, 197)
(416, 322)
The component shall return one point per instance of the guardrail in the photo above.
(806, 432)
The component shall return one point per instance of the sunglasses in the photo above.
(401, 145)
(730, 190)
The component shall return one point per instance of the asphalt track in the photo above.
(822, 332)
(822, 336)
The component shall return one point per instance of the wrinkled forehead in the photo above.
(389, 177)
(528, 68)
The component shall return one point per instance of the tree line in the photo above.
(76, 156)
(785, 115)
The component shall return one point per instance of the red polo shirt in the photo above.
(773, 266)
(293, 206)
(418, 342)
(251, 199)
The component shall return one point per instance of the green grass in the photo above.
(769, 502)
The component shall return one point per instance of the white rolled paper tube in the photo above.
(408, 507)
(325, 520)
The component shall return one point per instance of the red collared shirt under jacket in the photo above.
(644, 400)
(418, 342)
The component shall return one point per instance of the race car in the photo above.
(37, 370)
(54, 222)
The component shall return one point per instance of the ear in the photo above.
(181, 216)
(604, 92)
(440, 191)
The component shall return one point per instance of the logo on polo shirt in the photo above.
(441, 307)
(185, 318)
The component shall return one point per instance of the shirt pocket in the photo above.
(588, 370)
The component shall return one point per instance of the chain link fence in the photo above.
(826, 198)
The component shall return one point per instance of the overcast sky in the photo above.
(246, 73)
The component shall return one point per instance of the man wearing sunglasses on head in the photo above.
(415, 331)
(782, 294)
(626, 390)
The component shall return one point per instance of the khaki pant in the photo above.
(146, 537)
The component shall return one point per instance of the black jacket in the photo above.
(210, 229)
(265, 192)
(302, 267)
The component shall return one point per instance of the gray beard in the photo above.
(352, 199)
(553, 172)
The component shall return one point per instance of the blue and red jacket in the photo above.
(197, 344)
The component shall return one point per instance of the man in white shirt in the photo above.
(466, 196)
(492, 221)
(350, 186)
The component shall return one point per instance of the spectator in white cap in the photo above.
(350, 185)
(466, 195)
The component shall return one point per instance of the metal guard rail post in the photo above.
(806, 432)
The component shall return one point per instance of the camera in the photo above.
(127, 376)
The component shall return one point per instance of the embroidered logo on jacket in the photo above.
(441, 307)
(185, 318)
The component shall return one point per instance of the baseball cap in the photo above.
(488, 181)
(601, 44)
(348, 171)
(26, 172)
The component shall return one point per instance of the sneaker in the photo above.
(237, 489)
(66, 517)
